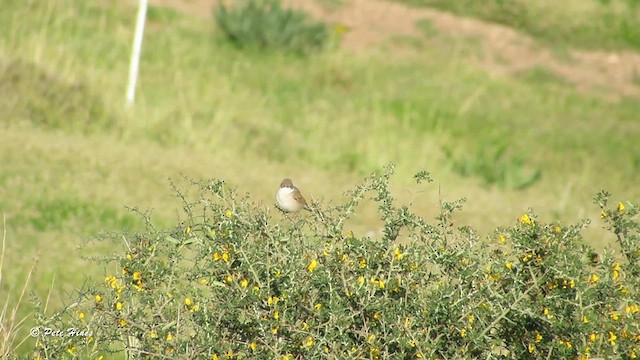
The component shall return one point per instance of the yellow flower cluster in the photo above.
(378, 282)
(397, 253)
(224, 256)
(312, 265)
(615, 271)
(525, 219)
(189, 304)
(114, 283)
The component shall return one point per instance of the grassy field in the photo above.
(586, 24)
(72, 157)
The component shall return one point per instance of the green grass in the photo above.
(588, 24)
(72, 157)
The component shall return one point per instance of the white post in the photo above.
(135, 53)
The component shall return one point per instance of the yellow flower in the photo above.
(525, 219)
(129, 256)
(169, 336)
(312, 265)
(407, 321)
(377, 316)
(397, 254)
(502, 239)
(81, 315)
(375, 352)
(527, 257)
(594, 278)
(615, 271)
(216, 256)
(225, 256)
(463, 332)
(187, 230)
(375, 281)
(276, 314)
(308, 342)
(153, 334)
(122, 322)
(244, 283)
(253, 346)
(632, 309)
(119, 305)
(203, 281)
(620, 207)
(508, 265)
(228, 213)
(274, 331)
(531, 348)
(361, 280)
(71, 349)
(229, 354)
(272, 300)
(215, 357)
(612, 338)
(538, 337)
(349, 234)
(318, 306)
(557, 229)
(228, 279)
(371, 338)
(471, 319)
(98, 298)
(188, 302)
(363, 263)
(615, 316)
(585, 320)
(593, 337)
(603, 214)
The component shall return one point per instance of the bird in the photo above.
(288, 197)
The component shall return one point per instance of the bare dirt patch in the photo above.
(505, 51)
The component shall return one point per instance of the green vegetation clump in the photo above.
(265, 24)
(232, 280)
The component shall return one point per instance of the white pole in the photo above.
(135, 53)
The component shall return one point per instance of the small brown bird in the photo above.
(288, 197)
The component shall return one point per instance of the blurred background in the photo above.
(509, 104)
